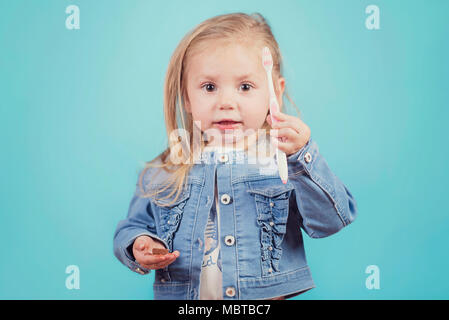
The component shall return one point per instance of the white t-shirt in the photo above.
(211, 270)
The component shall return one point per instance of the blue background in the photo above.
(81, 110)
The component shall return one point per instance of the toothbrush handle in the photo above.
(280, 155)
(274, 107)
(281, 158)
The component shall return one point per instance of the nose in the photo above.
(227, 99)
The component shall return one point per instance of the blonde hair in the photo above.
(227, 27)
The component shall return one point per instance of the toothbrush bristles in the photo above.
(267, 59)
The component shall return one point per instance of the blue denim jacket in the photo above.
(263, 216)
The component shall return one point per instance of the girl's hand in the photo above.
(142, 250)
(293, 133)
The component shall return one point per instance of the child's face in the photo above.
(228, 81)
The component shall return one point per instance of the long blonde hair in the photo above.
(229, 27)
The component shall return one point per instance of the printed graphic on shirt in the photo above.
(211, 271)
(211, 250)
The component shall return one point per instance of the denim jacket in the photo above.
(262, 220)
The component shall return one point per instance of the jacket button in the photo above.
(308, 157)
(230, 291)
(271, 223)
(271, 204)
(225, 199)
(229, 240)
(223, 158)
(139, 271)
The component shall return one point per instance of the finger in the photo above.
(141, 242)
(287, 147)
(138, 249)
(176, 253)
(141, 245)
(268, 118)
(161, 264)
(281, 116)
(151, 258)
(171, 257)
(293, 123)
(287, 134)
(273, 120)
(166, 263)
(153, 266)
(287, 124)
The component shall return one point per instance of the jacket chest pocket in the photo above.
(272, 205)
(171, 214)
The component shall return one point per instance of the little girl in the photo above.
(231, 227)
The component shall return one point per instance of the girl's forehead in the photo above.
(224, 49)
(222, 57)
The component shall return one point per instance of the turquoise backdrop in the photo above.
(81, 110)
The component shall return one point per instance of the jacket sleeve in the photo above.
(140, 221)
(323, 202)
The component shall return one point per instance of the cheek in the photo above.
(256, 113)
(197, 102)
(201, 114)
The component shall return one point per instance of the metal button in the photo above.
(308, 157)
(223, 158)
(271, 204)
(139, 271)
(270, 248)
(163, 280)
(225, 199)
(270, 270)
(230, 291)
(229, 240)
(271, 223)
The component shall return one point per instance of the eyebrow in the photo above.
(242, 77)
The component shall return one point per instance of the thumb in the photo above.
(140, 243)
(269, 119)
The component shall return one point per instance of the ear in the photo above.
(280, 88)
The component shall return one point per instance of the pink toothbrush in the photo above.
(281, 158)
